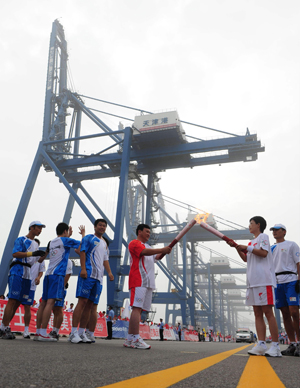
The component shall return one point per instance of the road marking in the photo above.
(168, 377)
(259, 373)
(190, 352)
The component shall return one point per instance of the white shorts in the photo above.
(141, 297)
(260, 296)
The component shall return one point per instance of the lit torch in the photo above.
(219, 234)
(178, 237)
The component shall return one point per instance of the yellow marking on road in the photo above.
(259, 373)
(168, 377)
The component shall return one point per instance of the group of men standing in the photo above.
(269, 269)
(27, 268)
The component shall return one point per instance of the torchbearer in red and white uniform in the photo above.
(261, 282)
(141, 282)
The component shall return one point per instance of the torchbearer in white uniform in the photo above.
(261, 283)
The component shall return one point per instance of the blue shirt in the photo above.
(96, 252)
(111, 315)
(24, 244)
(59, 251)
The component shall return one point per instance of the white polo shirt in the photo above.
(35, 269)
(286, 256)
(260, 270)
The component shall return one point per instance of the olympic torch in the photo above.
(178, 237)
(218, 234)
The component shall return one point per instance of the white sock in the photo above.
(129, 337)
(261, 342)
(274, 343)
(91, 332)
(87, 331)
(73, 330)
(38, 331)
(56, 330)
(135, 337)
(43, 332)
(26, 328)
(2, 327)
(81, 330)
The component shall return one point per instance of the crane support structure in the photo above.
(129, 154)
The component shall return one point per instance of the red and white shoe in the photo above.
(127, 343)
(140, 344)
(36, 337)
(46, 338)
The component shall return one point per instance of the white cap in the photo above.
(37, 223)
(278, 226)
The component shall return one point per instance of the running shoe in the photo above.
(273, 351)
(258, 350)
(1, 333)
(289, 351)
(127, 343)
(36, 337)
(90, 337)
(85, 339)
(53, 334)
(8, 334)
(26, 335)
(297, 351)
(140, 344)
(74, 338)
(46, 338)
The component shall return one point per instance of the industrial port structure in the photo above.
(136, 154)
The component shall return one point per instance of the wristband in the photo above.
(29, 254)
(250, 248)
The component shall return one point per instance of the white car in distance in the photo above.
(244, 335)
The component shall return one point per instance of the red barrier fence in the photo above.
(17, 323)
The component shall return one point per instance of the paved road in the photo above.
(31, 364)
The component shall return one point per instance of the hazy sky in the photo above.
(224, 64)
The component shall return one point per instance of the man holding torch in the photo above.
(141, 282)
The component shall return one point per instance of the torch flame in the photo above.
(201, 217)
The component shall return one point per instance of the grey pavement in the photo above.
(31, 364)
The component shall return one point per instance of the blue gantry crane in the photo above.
(154, 143)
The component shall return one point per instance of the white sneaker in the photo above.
(74, 338)
(140, 344)
(90, 336)
(84, 338)
(26, 335)
(273, 351)
(46, 338)
(258, 350)
(127, 343)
